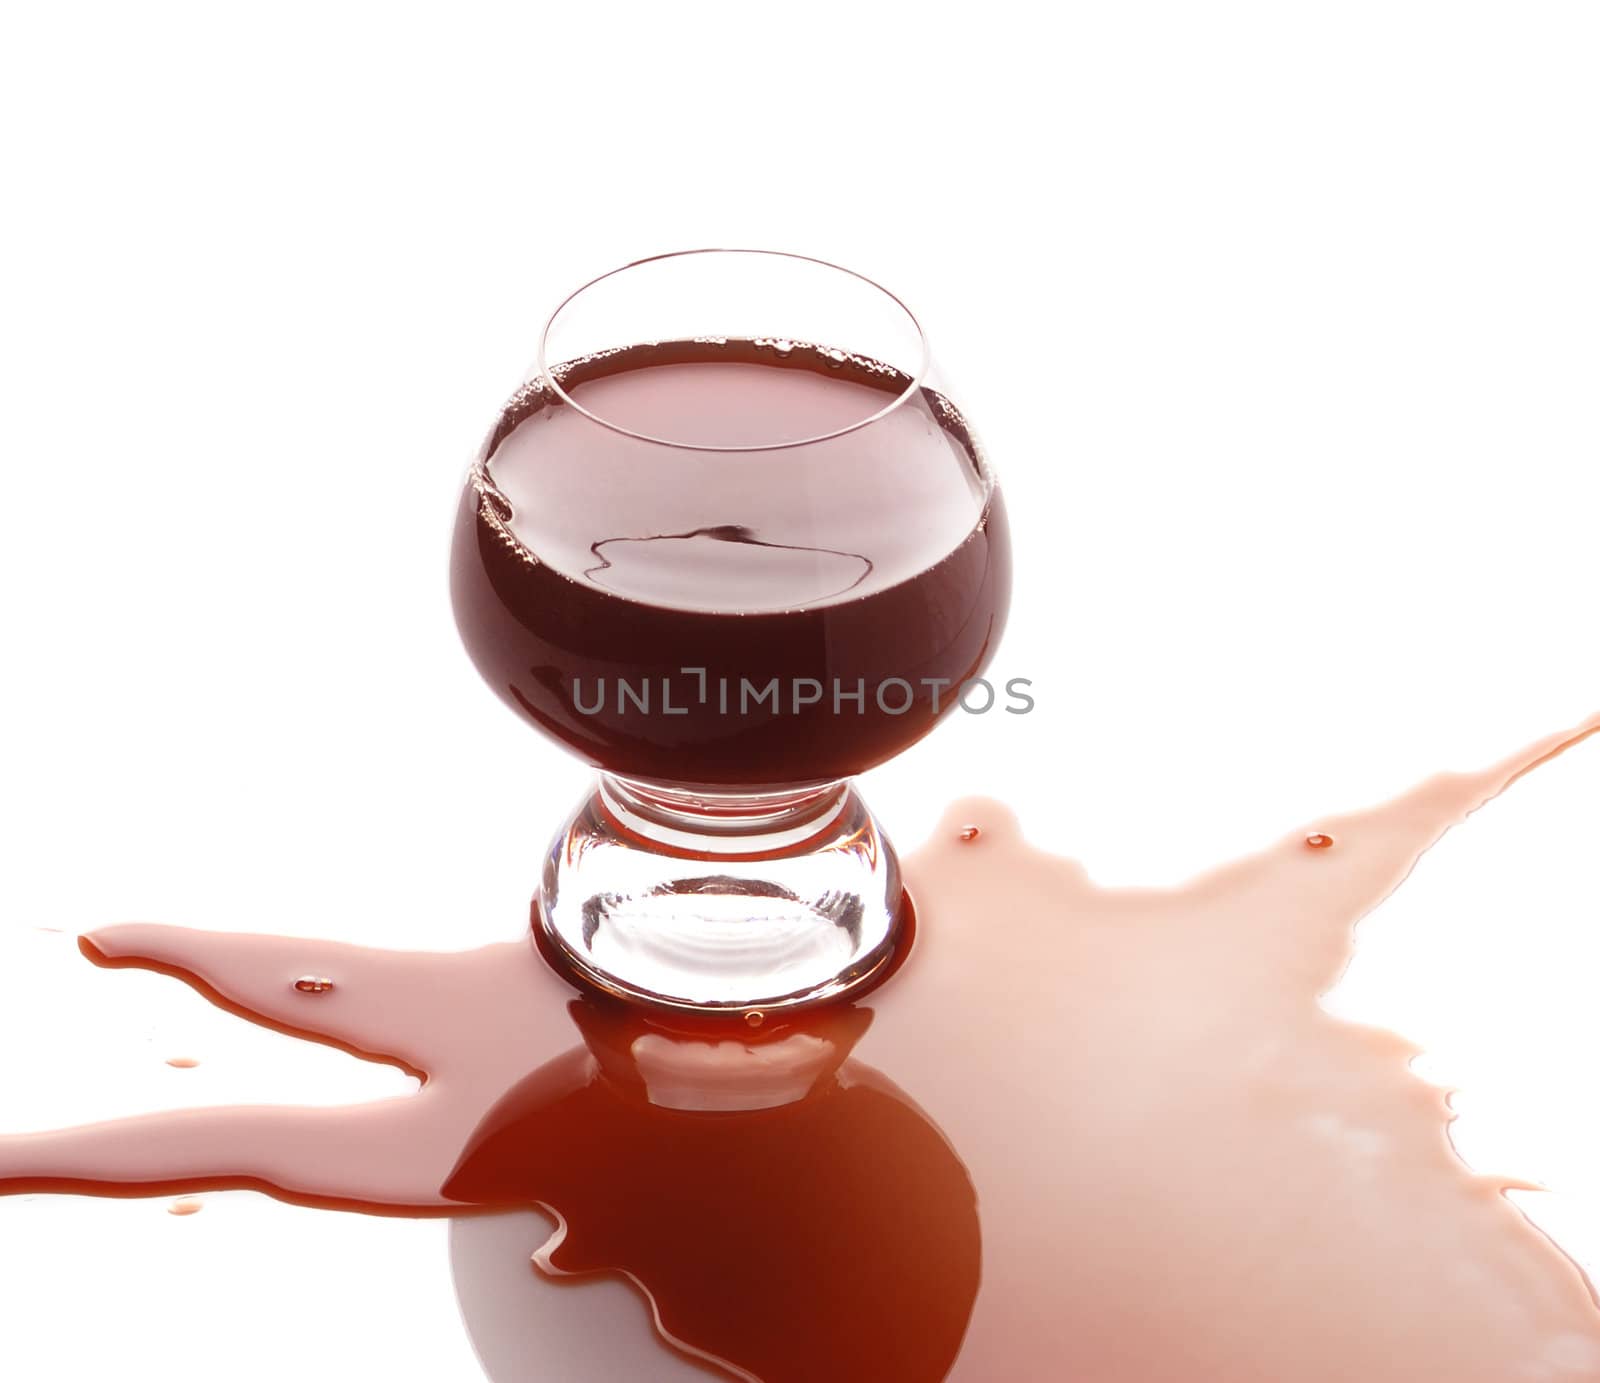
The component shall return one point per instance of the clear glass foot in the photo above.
(721, 900)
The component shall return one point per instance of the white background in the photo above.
(1280, 322)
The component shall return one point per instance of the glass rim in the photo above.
(913, 384)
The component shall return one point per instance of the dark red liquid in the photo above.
(884, 1293)
(1083, 1134)
(875, 562)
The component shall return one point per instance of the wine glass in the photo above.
(731, 544)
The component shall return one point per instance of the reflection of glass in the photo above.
(773, 1196)
(790, 1213)
(732, 545)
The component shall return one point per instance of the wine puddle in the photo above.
(1145, 1155)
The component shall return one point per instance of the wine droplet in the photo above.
(1318, 841)
(313, 984)
(186, 1205)
(755, 1018)
(970, 833)
(183, 1063)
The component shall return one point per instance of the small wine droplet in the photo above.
(183, 1063)
(186, 1205)
(313, 984)
(970, 833)
(1318, 841)
(755, 1018)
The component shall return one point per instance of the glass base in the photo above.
(720, 900)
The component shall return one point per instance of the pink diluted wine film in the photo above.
(1147, 1156)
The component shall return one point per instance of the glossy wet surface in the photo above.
(1148, 1154)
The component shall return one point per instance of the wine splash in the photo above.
(1148, 1155)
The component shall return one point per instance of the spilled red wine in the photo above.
(710, 614)
(1147, 1155)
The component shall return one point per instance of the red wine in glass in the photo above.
(730, 568)
(720, 634)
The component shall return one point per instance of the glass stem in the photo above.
(715, 821)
